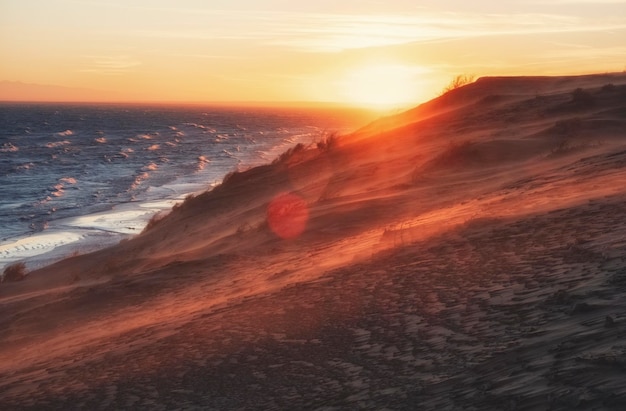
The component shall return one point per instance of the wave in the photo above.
(65, 133)
(68, 180)
(9, 148)
(201, 127)
(202, 163)
(25, 166)
(125, 152)
(144, 174)
(140, 178)
(150, 167)
(58, 190)
(57, 144)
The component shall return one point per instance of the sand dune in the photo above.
(467, 254)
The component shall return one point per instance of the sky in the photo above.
(385, 53)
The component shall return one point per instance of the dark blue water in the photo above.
(63, 160)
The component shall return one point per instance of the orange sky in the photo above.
(390, 53)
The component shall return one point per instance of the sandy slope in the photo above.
(467, 254)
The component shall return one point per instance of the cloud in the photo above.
(590, 2)
(333, 32)
(110, 65)
(585, 52)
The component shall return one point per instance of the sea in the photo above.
(78, 177)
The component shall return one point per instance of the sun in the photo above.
(382, 86)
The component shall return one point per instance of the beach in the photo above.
(469, 253)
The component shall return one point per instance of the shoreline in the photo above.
(83, 233)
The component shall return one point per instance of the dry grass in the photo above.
(290, 154)
(154, 221)
(457, 154)
(14, 272)
(582, 98)
(459, 81)
(328, 143)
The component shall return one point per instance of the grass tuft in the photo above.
(14, 272)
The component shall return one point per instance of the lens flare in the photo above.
(287, 215)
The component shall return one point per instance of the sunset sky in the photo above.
(391, 53)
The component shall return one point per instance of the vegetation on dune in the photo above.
(299, 152)
(289, 154)
(582, 98)
(459, 81)
(456, 154)
(154, 221)
(567, 127)
(14, 272)
(328, 142)
(608, 88)
(325, 144)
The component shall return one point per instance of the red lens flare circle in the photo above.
(287, 215)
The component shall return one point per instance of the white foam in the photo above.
(180, 190)
(36, 245)
(87, 233)
(120, 222)
(159, 205)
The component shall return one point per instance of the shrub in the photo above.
(289, 154)
(15, 272)
(154, 221)
(562, 147)
(457, 153)
(459, 81)
(582, 98)
(328, 142)
(230, 177)
(244, 228)
(568, 127)
(607, 88)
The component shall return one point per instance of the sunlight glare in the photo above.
(382, 86)
(287, 215)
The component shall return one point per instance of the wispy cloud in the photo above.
(327, 32)
(584, 52)
(591, 2)
(267, 25)
(340, 32)
(110, 65)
